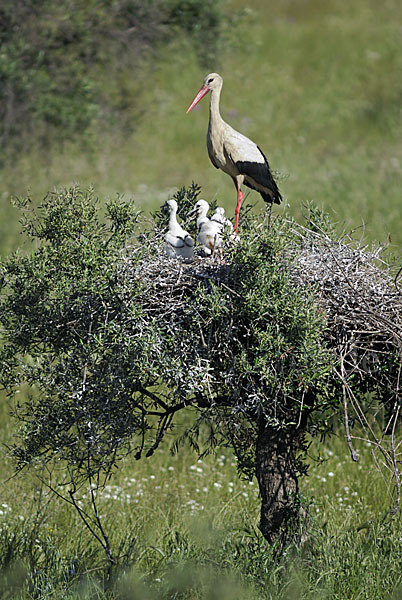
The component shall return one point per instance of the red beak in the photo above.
(204, 90)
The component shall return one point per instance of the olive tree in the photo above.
(270, 345)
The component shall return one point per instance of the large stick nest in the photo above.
(358, 290)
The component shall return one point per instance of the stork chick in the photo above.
(208, 231)
(179, 244)
(219, 217)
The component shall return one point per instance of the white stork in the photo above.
(208, 231)
(219, 217)
(201, 208)
(233, 152)
(179, 244)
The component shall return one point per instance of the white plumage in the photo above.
(208, 231)
(179, 244)
(233, 152)
(201, 208)
(219, 217)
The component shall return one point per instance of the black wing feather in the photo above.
(261, 173)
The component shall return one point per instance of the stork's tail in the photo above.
(274, 196)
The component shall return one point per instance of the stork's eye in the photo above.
(210, 80)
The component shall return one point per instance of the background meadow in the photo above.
(318, 86)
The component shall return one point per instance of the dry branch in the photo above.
(357, 289)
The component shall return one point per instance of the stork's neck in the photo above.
(215, 118)
(201, 220)
(172, 219)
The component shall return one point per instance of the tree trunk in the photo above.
(277, 476)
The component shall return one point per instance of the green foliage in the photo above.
(77, 329)
(66, 66)
(113, 340)
(269, 357)
(285, 355)
(61, 304)
(205, 23)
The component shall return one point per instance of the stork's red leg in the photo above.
(239, 201)
(237, 211)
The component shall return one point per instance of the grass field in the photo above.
(187, 528)
(318, 86)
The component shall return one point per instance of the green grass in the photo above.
(187, 528)
(317, 85)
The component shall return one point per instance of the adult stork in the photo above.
(233, 152)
